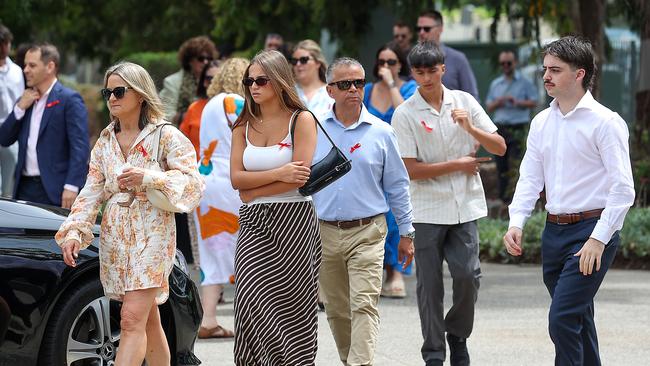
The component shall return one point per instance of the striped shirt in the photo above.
(433, 137)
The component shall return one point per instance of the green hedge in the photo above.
(159, 64)
(634, 250)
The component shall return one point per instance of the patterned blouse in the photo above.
(137, 242)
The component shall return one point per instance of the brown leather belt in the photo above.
(350, 224)
(573, 218)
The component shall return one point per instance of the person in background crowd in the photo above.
(309, 67)
(577, 150)
(351, 212)
(179, 89)
(380, 99)
(438, 131)
(458, 74)
(274, 41)
(510, 99)
(278, 249)
(218, 213)
(191, 124)
(12, 86)
(403, 36)
(50, 123)
(137, 249)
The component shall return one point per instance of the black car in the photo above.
(52, 314)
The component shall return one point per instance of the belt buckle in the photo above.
(557, 220)
(338, 225)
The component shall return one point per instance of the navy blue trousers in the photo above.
(31, 189)
(571, 316)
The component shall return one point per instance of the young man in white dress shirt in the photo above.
(438, 130)
(577, 150)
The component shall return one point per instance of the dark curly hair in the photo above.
(195, 47)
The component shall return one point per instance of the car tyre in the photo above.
(84, 329)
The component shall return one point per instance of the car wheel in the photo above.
(84, 329)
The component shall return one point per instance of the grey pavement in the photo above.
(510, 323)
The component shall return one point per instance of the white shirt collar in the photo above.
(586, 102)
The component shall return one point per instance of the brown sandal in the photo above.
(216, 332)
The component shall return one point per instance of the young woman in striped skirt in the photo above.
(278, 251)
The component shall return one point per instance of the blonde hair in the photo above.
(277, 69)
(314, 50)
(139, 80)
(228, 78)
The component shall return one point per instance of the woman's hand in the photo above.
(130, 178)
(386, 76)
(293, 173)
(70, 251)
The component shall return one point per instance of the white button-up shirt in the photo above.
(12, 86)
(583, 160)
(433, 137)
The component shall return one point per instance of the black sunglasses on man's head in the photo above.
(117, 91)
(302, 60)
(346, 84)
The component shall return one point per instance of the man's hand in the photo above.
(67, 198)
(405, 251)
(27, 99)
(512, 241)
(590, 253)
(461, 117)
(70, 251)
(470, 165)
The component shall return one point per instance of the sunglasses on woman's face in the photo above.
(300, 60)
(117, 91)
(204, 59)
(260, 81)
(346, 84)
(390, 62)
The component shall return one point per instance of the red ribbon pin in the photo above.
(142, 150)
(52, 103)
(358, 145)
(427, 128)
(283, 144)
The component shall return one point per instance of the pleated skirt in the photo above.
(277, 261)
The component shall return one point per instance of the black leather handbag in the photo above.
(332, 167)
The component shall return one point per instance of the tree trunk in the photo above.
(592, 20)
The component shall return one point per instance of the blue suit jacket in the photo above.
(63, 148)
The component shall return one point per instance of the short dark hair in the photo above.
(403, 71)
(426, 54)
(401, 24)
(195, 47)
(5, 35)
(577, 52)
(201, 90)
(433, 14)
(510, 50)
(49, 53)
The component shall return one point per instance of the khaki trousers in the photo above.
(350, 278)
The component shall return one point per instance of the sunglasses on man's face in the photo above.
(117, 91)
(400, 36)
(390, 62)
(425, 29)
(302, 60)
(346, 84)
(506, 63)
(260, 81)
(204, 58)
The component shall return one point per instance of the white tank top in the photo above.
(259, 158)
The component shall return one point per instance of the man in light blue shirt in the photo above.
(510, 99)
(351, 212)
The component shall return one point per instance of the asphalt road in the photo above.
(510, 323)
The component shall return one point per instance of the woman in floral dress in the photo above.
(137, 244)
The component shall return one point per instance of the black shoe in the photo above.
(458, 355)
(434, 363)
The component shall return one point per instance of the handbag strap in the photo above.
(156, 147)
(293, 127)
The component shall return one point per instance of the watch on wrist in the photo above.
(391, 84)
(410, 235)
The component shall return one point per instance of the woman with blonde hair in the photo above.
(278, 250)
(137, 245)
(309, 66)
(217, 216)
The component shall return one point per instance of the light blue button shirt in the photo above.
(521, 89)
(377, 167)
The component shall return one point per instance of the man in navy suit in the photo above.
(50, 123)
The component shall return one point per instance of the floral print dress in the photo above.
(138, 241)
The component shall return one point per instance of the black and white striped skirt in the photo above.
(277, 261)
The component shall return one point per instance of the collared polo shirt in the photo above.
(433, 137)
